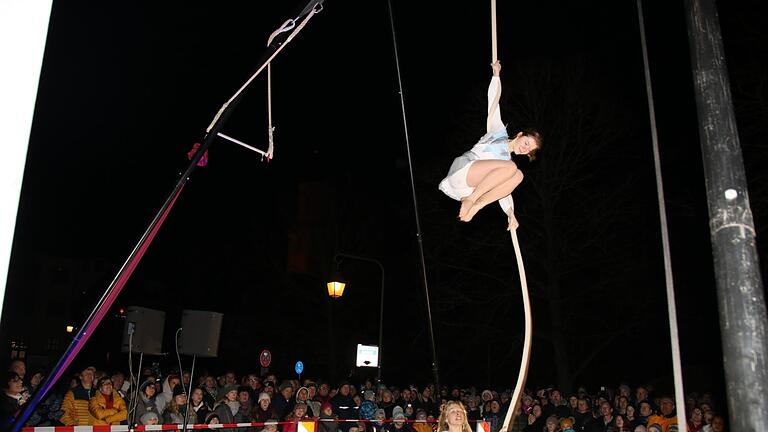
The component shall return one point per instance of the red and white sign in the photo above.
(265, 358)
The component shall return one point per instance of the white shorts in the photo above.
(455, 185)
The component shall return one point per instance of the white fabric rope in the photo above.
(494, 58)
(287, 25)
(522, 374)
(249, 147)
(304, 22)
(526, 356)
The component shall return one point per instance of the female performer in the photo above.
(486, 173)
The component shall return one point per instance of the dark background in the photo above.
(126, 89)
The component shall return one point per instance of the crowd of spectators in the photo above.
(95, 397)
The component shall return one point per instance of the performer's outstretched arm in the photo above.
(494, 93)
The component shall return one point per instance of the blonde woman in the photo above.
(453, 418)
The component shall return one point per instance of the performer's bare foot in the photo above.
(466, 204)
(471, 212)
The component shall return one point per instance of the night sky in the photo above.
(127, 88)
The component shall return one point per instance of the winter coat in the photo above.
(108, 416)
(225, 416)
(145, 405)
(175, 415)
(327, 423)
(201, 412)
(76, 407)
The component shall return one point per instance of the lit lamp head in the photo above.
(336, 288)
(337, 283)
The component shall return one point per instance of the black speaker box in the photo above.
(147, 326)
(200, 333)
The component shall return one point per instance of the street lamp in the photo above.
(336, 286)
(336, 289)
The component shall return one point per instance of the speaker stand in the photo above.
(135, 388)
(189, 393)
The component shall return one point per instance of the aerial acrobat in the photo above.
(485, 173)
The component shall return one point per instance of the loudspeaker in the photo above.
(200, 333)
(147, 326)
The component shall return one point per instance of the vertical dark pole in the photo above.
(381, 304)
(737, 271)
(331, 343)
(381, 327)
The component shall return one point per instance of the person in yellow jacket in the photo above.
(107, 407)
(76, 401)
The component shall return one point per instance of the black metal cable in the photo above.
(415, 205)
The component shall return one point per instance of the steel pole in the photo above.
(737, 272)
(381, 305)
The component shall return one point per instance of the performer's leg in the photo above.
(485, 175)
(494, 195)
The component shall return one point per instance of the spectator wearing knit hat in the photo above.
(368, 406)
(398, 422)
(378, 421)
(149, 418)
(176, 409)
(228, 409)
(263, 411)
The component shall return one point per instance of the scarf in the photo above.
(234, 406)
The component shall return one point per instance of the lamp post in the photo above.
(336, 290)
